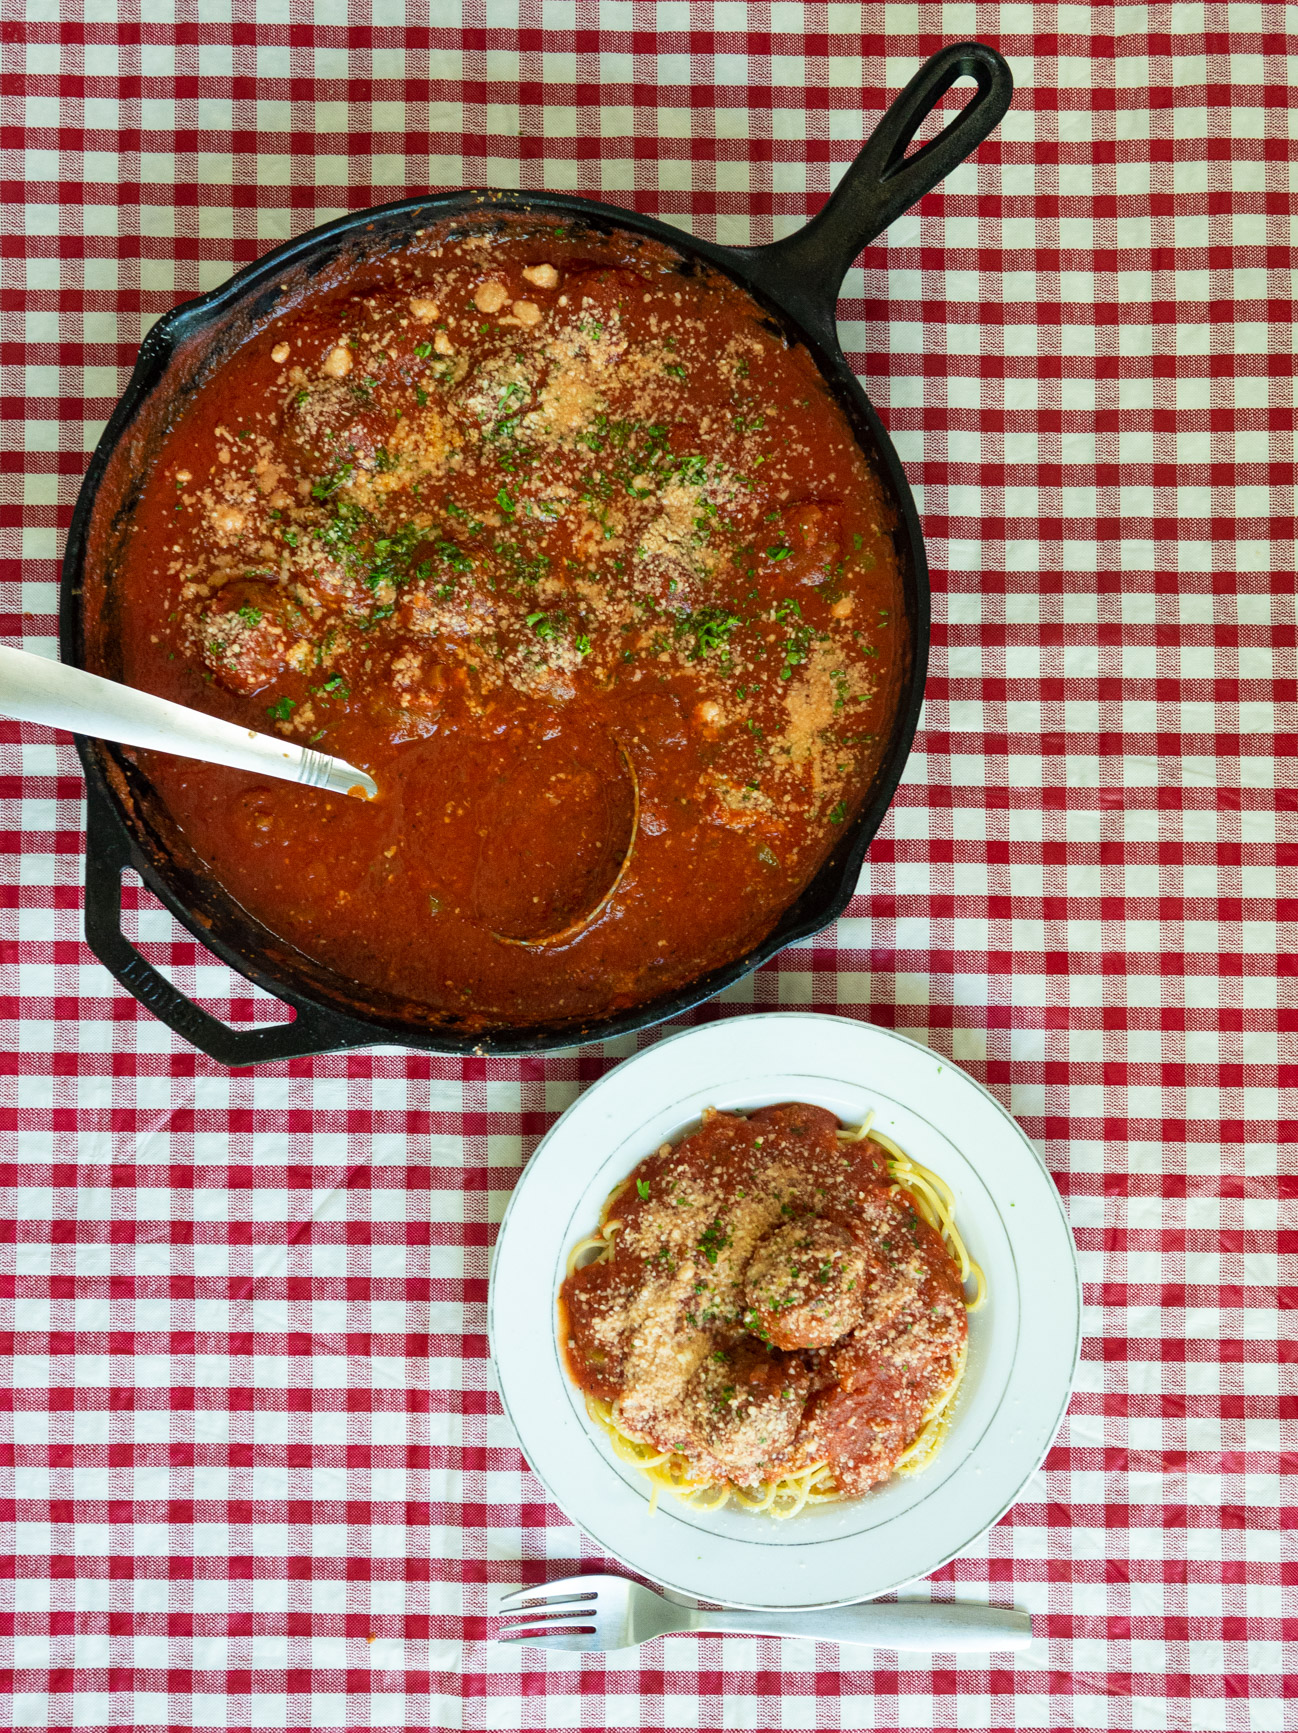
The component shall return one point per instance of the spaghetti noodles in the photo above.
(626, 1348)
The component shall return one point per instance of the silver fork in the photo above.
(603, 1612)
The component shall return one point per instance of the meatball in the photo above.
(243, 639)
(744, 1405)
(811, 530)
(805, 1285)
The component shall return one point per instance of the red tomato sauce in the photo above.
(563, 542)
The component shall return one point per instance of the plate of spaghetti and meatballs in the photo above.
(772, 1311)
(784, 1311)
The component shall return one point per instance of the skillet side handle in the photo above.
(883, 181)
(107, 852)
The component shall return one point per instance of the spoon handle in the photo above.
(36, 689)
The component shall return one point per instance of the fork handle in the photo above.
(944, 1626)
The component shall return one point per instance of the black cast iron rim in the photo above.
(797, 281)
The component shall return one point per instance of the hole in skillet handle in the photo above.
(805, 270)
(943, 111)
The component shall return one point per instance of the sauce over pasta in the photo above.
(768, 1303)
(564, 542)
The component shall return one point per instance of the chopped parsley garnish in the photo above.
(796, 650)
(250, 616)
(839, 813)
(522, 567)
(328, 485)
(753, 1324)
(710, 628)
(642, 1186)
(392, 555)
(454, 556)
(714, 1240)
(543, 625)
(506, 502)
(423, 350)
(281, 709)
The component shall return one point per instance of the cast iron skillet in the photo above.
(796, 280)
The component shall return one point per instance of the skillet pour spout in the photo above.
(795, 280)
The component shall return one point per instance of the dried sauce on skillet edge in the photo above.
(482, 515)
(675, 1326)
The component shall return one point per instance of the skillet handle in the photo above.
(107, 852)
(883, 181)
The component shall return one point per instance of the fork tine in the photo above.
(551, 1616)
(549, 1603)
(571, 1609)
(561, 1588)
(578, 1643)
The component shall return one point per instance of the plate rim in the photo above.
(842, 1025)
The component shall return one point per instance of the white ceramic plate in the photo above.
(1023, 1343)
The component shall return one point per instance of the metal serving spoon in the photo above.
(571, 929)
(36, 689)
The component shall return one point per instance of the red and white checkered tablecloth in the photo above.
(252, 1470)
